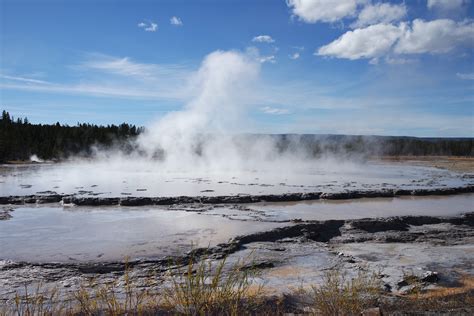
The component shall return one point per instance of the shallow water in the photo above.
(112, 233)
(104, 179)
(56, 234)
(369, 207)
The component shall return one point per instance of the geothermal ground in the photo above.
(61, 227)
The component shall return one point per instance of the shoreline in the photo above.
(299, 250)
(79, 200)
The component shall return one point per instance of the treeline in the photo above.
(319, 145)
(19, 139)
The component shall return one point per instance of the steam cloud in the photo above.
(207, 135)
(204, 146)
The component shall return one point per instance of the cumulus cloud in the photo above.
(380, 13)
(263, 39)
(312, 11)
(148, 26)
(370, 42)
(446, 5)
(465, 76)
(274, 111)
(176, 21)
(435, 37)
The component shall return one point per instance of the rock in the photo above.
(387, 288)
(380, 225)
(136, 201)
(402, 283)
(53, 198)
(430, 277)
(408, 289)
(5, 214)
(258, 265)
(92, 201)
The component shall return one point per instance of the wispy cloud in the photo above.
(109, 76)
(387, 122)
(446, 5)
(148, 26)
(176, 21)
(263, 39)
(126, 66)
(23, 79)
(465, 76)
(274, 111)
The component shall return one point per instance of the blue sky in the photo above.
(350, 67)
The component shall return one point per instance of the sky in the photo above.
(325, 66)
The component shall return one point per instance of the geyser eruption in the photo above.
(208, 134)
(200, 134)
(203, 149)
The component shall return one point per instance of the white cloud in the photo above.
(370, 42)
(294, 56)
(263, 39)
(312, 11)
(129, 68)
(398, 60)
(254, 53)
(446, 5)
(380, 13)
(274, 111)
(23, 79)
(267, 59)
(148, 26)
(109, 76)
(176, 21)
(436, 37)
(465, 76)
(152, 28)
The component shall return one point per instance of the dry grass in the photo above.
(208, 287)
(205, 289)
(340, 295)
(200, 288)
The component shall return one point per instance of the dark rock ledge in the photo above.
(228, 199)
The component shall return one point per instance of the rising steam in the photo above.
(200, 133)
(207, 134)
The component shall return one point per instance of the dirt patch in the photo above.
(451, 163)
